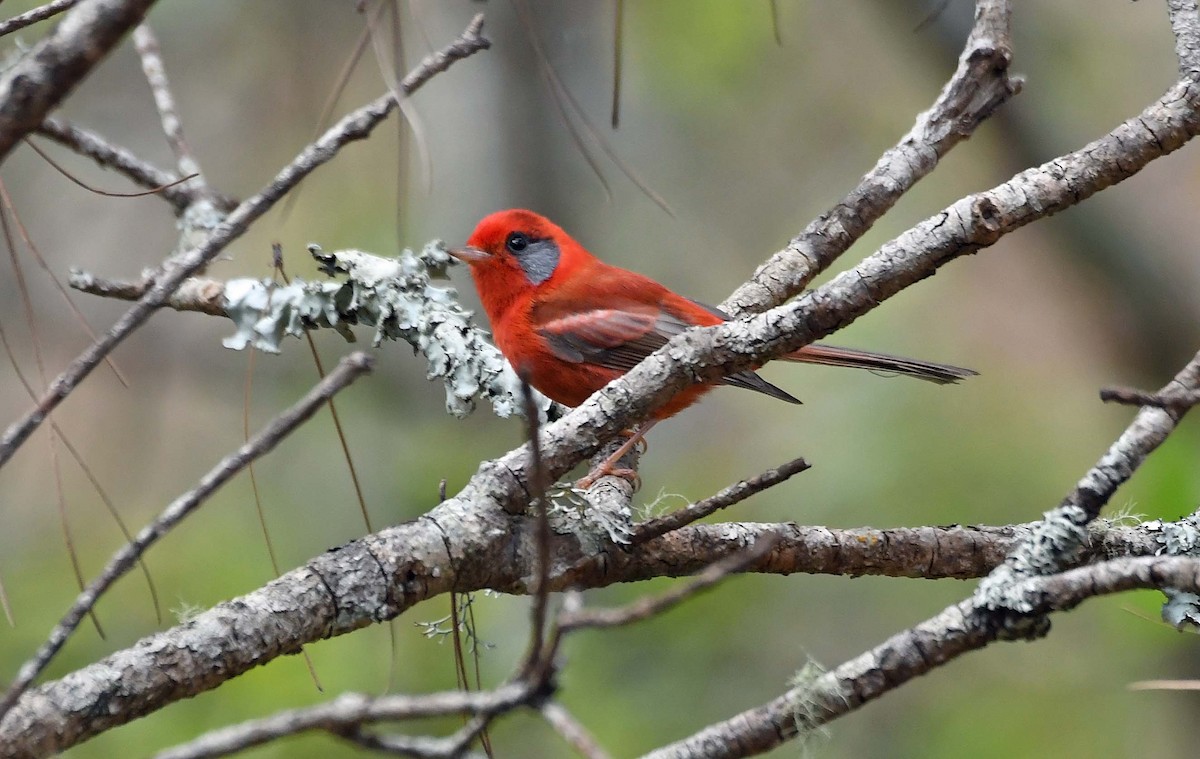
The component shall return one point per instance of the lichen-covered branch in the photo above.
(459, 546)
(1060, 539)
(957, 630)
(395, 296)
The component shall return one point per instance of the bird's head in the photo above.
(515, 249)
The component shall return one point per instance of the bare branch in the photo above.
(979, 86)
(206, 296)
(461, 546)
(421, 747)
(42, 78)
(355, 126)
(349, 369)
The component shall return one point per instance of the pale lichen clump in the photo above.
(398, 298)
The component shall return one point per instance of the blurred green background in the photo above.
(747, 140)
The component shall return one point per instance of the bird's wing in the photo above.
(606, 326)
(616, 336)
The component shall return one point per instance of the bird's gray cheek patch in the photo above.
(539, 260)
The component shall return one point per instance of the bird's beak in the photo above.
(469, 254)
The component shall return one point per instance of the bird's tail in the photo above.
(831, 355)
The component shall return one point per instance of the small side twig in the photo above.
(199, 294)
(1128, 396)
(1060, 539)
(731, 495)
(348, 370)
(644, 608)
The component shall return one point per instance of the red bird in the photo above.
(570, 323)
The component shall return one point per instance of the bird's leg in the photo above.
(609, 467)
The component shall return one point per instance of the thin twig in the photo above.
(419, 747)
(407, 110)
(96, 190)
(572, 731)
(6, 607)
(535, 667)
(58, 285)
(125, 163)
(355, 126)
(618, 38)
(109, 505)
(644, 608)
(146, 45)
(349, 369)
(1164, 685)
(41, 13)
(347, 711)
(333, 412)
(563, 97)
(731, 495)
(331, 99)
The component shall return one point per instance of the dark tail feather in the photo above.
(830, 355)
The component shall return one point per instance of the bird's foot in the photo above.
(608, 470)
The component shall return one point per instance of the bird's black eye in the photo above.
(516, 242)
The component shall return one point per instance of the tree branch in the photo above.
(463, 548)
(355, 126)
(41, 79)
(959, 629)
(979, 86)
(348, 370)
